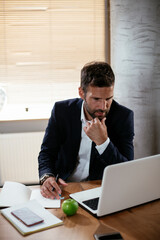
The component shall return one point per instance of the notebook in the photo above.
(49, 220)
(16, 193)
(124, 185)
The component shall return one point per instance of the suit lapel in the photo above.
(76, 127)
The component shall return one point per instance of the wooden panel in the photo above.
(136, 223)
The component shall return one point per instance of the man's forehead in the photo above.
(100, 91)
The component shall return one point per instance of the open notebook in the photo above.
(16, 193)
(124, 185)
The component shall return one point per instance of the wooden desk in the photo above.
(138, 223)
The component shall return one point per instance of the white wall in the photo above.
(18, 157)
(135, 58)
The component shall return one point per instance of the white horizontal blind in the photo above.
(45, 43)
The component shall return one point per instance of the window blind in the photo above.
(44, 44)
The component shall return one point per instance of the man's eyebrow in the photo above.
(101, 98)
(109, 98)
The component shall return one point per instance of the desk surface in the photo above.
(138, 223)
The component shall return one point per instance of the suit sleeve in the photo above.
(50, 146)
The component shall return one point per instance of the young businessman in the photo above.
(86, 134)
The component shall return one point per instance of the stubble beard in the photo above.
(92, 114)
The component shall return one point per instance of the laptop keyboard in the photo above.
(92, 203)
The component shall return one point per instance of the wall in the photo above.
(135, 58)
(22, 126)
(18, 157)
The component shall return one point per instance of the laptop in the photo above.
(124, 185)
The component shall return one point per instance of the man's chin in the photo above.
(100, 118)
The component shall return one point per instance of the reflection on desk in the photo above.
(138, 223)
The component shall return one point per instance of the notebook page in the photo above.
(14, 193)
(45, 202)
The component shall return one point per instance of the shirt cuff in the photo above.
(103, 146)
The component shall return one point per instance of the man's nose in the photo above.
(104, 104)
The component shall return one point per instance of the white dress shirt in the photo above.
(81, 171)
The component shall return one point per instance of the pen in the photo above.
(57, 176)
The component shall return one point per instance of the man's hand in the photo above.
(96, 131)
(49, 184)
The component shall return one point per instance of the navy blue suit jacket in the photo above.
(61, 142)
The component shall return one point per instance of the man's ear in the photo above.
(81, 93)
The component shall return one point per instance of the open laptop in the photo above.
(124, 185)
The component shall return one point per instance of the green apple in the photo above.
(69, 207)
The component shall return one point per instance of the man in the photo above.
(86, 134)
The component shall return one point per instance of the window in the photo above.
(43, 46)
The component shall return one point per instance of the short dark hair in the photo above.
(97, 74)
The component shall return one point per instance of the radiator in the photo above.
(18, 157)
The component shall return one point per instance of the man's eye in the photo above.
(96, 99)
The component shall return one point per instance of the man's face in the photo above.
(97, 101)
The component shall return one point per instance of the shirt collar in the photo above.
(83, 119)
